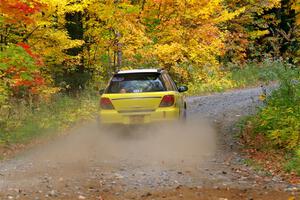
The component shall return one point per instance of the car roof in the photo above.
(134, 71)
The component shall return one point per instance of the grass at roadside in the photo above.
(21, 123)
(235, 76)
(256, 73)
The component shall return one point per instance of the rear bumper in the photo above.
(159, 115)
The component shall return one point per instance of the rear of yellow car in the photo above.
(140, 98)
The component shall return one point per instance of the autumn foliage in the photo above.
(16, 11)
(191, 39)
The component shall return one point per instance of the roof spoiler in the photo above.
(160, 69)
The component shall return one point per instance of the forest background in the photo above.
(56, 54)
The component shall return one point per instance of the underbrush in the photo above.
(253, 73)
(20, 122)
(211, 85)
(235, 76)
(276, 127)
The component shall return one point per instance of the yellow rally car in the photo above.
(141, 96)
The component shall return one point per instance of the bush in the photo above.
(279, 119)
(294, 163)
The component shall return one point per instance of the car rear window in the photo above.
(136, 83)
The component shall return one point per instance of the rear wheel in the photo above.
(184, 114)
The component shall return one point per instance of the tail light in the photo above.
(105, 103)
(167, 101)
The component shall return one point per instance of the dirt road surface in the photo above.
(196, 160)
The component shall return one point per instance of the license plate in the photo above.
(136, 119)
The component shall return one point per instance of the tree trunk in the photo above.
(119, 51)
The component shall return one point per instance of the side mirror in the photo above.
(182, 88)
(101, 91)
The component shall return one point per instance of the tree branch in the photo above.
(29, 34)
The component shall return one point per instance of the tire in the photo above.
(184, 114)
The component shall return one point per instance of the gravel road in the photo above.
(196, 160)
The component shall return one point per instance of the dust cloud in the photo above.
(168, 144)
